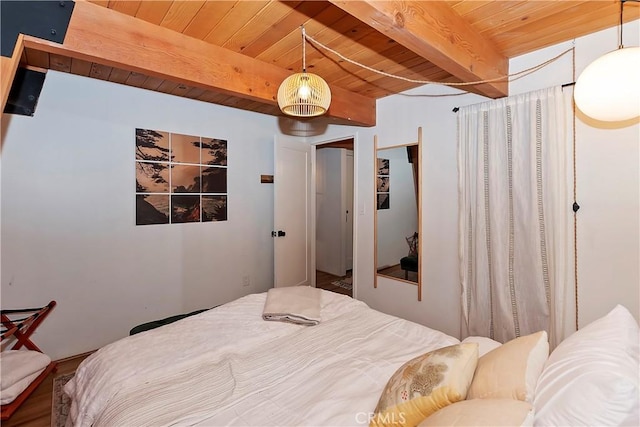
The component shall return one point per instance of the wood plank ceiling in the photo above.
(269, 31)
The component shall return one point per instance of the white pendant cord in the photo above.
(304, 50)
(508, 77)
(620, 45)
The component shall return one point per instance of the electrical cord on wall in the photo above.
(575, 206)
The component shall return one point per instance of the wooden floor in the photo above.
(396, 271)
(36, 410)
(323, 281)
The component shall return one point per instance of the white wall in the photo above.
(398, 120)
(329, 210)
(608, 191)
(68, 213)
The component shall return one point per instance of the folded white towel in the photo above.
(9, 394)
(296, 304)
(17, 365)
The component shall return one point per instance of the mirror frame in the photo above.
(375, 216)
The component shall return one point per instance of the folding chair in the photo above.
(17, 328)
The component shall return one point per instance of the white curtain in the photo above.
(512, 215)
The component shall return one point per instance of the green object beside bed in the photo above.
(157, 323)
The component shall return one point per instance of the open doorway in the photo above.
(334, 216)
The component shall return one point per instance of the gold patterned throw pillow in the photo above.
(425, 384)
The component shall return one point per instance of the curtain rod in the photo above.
(456, 109)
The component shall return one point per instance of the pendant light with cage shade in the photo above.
(304, 94)
(607, 89)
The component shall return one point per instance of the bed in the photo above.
(228, 366)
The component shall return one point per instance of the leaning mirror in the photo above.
(397, 213)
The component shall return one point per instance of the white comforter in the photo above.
(227, 366)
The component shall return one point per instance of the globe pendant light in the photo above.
(304, 94)
(606, 90)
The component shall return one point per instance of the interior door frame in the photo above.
(344, 159)
(354, 269)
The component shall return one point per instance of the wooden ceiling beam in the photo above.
(111, 39)
(437, 33)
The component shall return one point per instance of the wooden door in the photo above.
(292, 213)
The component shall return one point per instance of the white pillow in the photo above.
(485, 345)
(592, 377)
